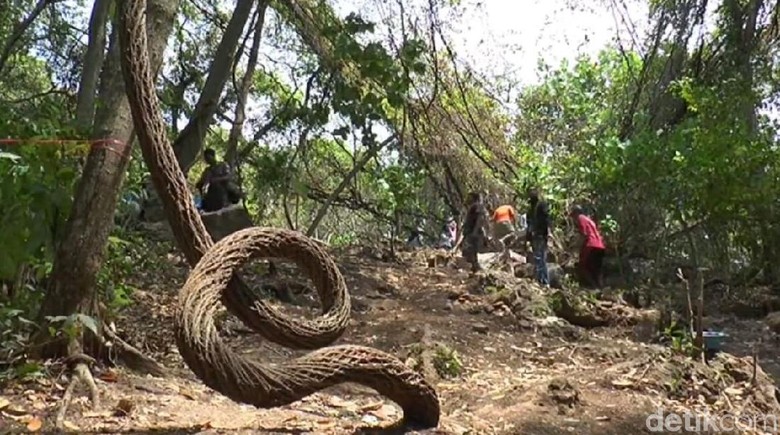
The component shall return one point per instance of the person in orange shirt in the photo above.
(504, 219)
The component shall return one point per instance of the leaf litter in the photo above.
(516, 378)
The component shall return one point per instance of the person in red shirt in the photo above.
(593, 248)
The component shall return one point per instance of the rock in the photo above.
(742, 371)
(219, 223)
(525, 324)
(480, 328)
(551, 321)
(556, 275)
(474, 309)
(524, 270)
(152, 206)
(773, 321)
(554, 272)
(440, 259)
(387, 289)
(159, 231)
(371, 252)
(647, 326)
(455, 294)
(562, 393)
(579, 310)
(360, 306)
(226, 221)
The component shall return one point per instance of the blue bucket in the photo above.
(713, 339)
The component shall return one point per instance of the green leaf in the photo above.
(89, 322)
(300, 187)
(9, 156)
(57, 319)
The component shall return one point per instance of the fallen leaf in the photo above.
(97, 414)
(385, 412)
(70, 426)
(622, 383)
(14, 410)
(338, 402)
(34, 425)
(188, 394)
(3, 403)
(371, 406)
(21, 418)
(109, 376)
(123, 408)
(734, 391)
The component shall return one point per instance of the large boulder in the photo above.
(555, 273)
(226, 221)
(152, 208)
(219, 224)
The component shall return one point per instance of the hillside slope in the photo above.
(501, 363)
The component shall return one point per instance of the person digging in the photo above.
(592, 250)
(474, 234)
(504, 220)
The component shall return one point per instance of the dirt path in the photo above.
(517, 378)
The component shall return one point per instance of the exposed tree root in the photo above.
(214, 279)
(268, 386)
(77, 363)
(108, 348)
(131, 357)
(424, 353)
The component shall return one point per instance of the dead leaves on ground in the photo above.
(14, 412)
(9, 411)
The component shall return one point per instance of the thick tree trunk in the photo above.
(231, 153)
(93, 62)
(81, 251)
(188, 143)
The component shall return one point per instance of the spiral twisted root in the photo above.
(266, 385)
(214, 280)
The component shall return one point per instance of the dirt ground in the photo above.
(518, 377)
